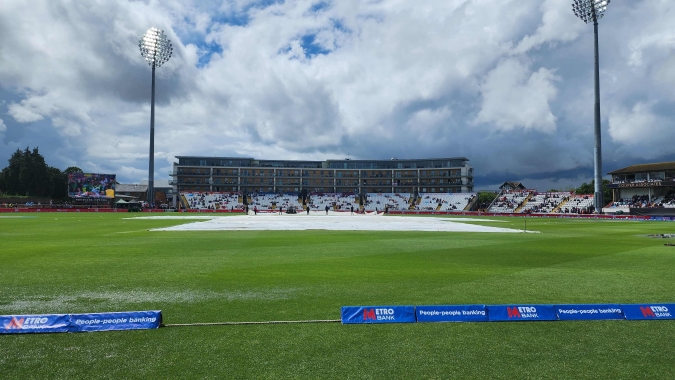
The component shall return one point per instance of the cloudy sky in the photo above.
(507, 84)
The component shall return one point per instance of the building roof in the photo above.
(329, 160)
(131, 188)
(120, 196)
(645, 168)
(158, 184)
(515, 185)
(402, 159)
(218, 158)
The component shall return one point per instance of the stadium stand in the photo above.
(669, 200)
(544, 202)
(378, 201)
(578, 204)
(273, 201)
(528, 202)
(212, 201)
(444, 202)
(319, 201)
(509, 201)
(456, 202)
(642, 201)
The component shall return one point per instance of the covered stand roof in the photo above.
(125, 188)
(513, 185)
(646, 168)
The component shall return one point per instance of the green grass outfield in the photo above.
(90, 262)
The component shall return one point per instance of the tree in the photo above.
(589, 188)
(485, 198)
(37, 173)
(58, 184)
(72, 170)
(3, 185)
(11, 174)
(29, 174)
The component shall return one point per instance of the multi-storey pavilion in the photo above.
(237, 174)
(651, 180)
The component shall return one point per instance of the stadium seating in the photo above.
(378, 201)
(274, 201)
(508, 202)
(578, 204)
(642, 201)
(212, 201)
(319, 201)
(444, 202)
(455, 202)
(544, 202)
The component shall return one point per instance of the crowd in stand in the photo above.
(545, 202)
(643, 201)
(655, 179)
(269, 201)
(344, 201)
(530, 202)
(636, 201)
(333, 201)
(509, 201)
(669, 200)
(578, 210)
(578, 205)
(213, 201)
(445, 202)
(429, 203)
(382, 201)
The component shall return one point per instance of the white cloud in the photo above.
(3, 127)
(514, 98)
(24, 114)
(555, 27)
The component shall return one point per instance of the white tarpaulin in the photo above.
(320, 221)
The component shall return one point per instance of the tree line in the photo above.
(29, 175)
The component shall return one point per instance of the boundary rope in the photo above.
(248, 323)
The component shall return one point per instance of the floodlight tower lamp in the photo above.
(156, 49)
(590, 11)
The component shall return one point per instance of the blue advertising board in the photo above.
(52, 323)
(451, 313)
(378, 314)
(39, 323)
(649, 311)
(588, 312)
(514, 313)
(132, 320)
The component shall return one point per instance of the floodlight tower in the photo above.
(156, 49)
(592, 11)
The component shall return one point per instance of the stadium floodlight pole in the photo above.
(592, 11)
(156, 49)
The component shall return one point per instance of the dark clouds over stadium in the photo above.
(507, 84)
